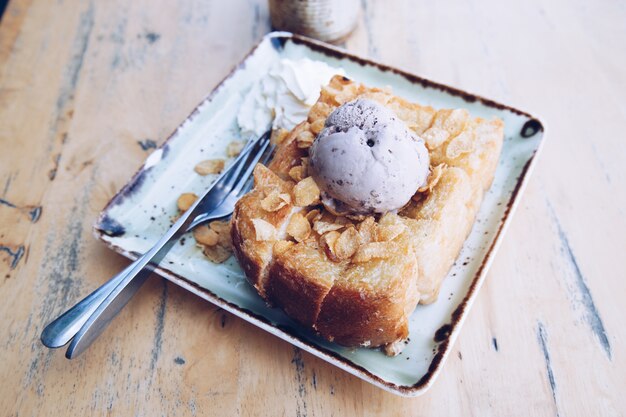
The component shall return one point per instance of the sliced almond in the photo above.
(205, 236)
(234, 148)
(460, 145)
(297, 173)
(275, 201)
(347, 243)
(222, 228)
(389, 232)
(344, 96)
(217, 253)
(371, 251)
(328, 92)
(366, 230)
(281, 246)
(327, 242)
(313, 215)
(389, 227)
(433, 178)
(264, 230)
(322, 226)
(435, 137)
(185, 201)
(299, 227)
(355, 217)
(320, 110)
(317, 126)
(456, 121)
(306, 192)
(305, 139)
(278, 136)
(210, 166)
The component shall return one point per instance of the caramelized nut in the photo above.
(278, 136)
(313, 215)
(389, 232)
(185, 201)
(433, 178)
(327, 241)
(299, 227)
(305, 139)
(347, 243)
(210, 166)
(205, 236)
(371, 251)
(222, 228)
(234, 148)
(389, 227)
(317, 126)
(275, 201)
(366, 230)
(281, 246)
(297, 173)
(435, 137)
(460, 145)
(217, 253)
(322, 226)
(456, 121)
(306, 192)
(320, 110)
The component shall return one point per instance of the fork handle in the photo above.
(64, 328)
(110, 302)
(59, 332)
(106, 311)
(83, 323)
(128, 283)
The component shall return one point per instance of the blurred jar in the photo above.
(326, 20)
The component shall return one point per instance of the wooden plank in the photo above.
(87, 89)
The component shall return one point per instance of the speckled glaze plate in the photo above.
(140, 213)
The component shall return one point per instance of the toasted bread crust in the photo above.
(356, 314)
(369, 303)
(299, 297)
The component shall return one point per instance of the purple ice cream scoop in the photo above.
(366, 160)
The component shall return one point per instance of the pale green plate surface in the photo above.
(126, 225)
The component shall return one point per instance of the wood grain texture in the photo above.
(87, 89)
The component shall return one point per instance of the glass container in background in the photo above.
(326, 20)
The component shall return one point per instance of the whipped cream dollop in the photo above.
(285, 95)
(366, 160)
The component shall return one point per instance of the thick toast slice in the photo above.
(356, 280)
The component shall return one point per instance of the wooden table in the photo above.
(88, 88)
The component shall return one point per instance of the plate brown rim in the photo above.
(447, 333)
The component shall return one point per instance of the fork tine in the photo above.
(250, 181)
(233, 177)
(240, 162)
(241, 183)
(268, 154)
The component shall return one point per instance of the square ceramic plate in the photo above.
(140, 213)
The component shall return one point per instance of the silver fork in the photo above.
(227, 206)
(86, 320)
